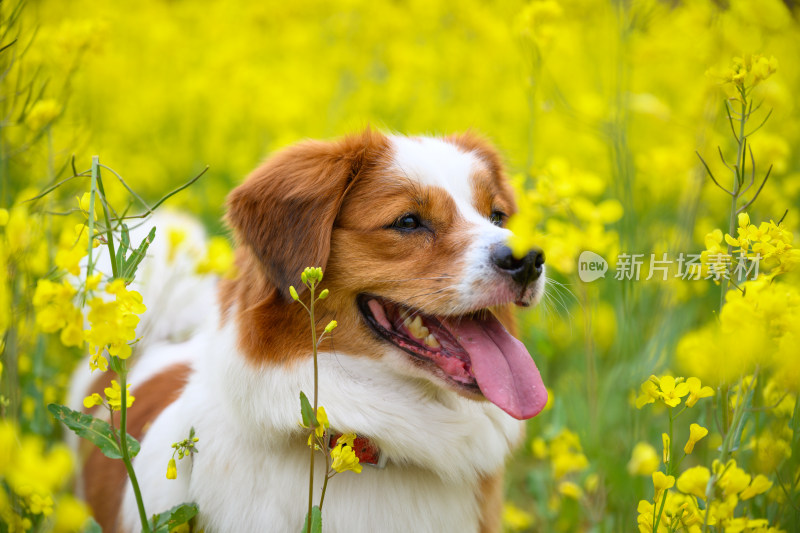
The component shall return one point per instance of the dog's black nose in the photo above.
(524, 270)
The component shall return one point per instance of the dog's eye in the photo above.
(497, 218)
(407, 221)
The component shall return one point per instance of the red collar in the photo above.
(366, 450)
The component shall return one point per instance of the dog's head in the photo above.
(410, 235)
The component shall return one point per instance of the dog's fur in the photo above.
(232, 365)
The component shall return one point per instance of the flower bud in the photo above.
(293, 292)
(323, 294)
(331, 325)
(172, 469)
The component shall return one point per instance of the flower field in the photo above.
(653, 145)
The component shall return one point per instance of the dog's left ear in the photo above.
(285, 210)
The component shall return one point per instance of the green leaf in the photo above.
(132, 263)
(91, 526)
(98, 432)
(309, 417)
(180, 514)
(316, 521)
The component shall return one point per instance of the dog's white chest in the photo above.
(394, 499)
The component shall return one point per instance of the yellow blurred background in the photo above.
(598, 107)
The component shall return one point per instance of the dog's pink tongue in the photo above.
(503, 368)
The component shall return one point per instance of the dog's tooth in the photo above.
(407, 322)
(422, 332)
(431, 341)
(417, 322)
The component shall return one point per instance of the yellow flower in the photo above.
(70, 514)
(759, 485)
(592, 482)
(697, 391)
(114, 395)
(93, 400)
(644, 460)
(566, 454)
(539, 448)
(668, 389)
(175, 236)
(172, 469)
(344, 458)
(662, 482)
(672, 390)
(694, 481)
(113, 323)
(93, 281)
(31, 470)
(53, 304)
(84, 203)
(732, 479)
(666, 441)
(515, 518)
(319, 431)
(743, 219)
(322, 418)
(570, 490)
(649, 393)
(748, 71)
(346, 439)
(770, 450)
(98, 362)
(696, 432)
(218, 259)
(42, 114)
(40, 504)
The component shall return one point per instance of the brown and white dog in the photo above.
(403, 227)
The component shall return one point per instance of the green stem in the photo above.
(324, 489)
(668, 465)
(314, 352)
(126, 457)
(657, 518)
(737, 168)
(109, 233)
(92, 189)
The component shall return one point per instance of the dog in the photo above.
(409, 232)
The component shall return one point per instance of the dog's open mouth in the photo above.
(474, 352)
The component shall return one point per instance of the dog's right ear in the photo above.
(285, 210)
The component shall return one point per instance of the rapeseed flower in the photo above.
(662, 482)
(697, 391)
(515, 518)
(667, 389)
(114, 396)
(694, 481)
(644, 460)
(344, 458)
(218, 259)
(172, 469)
(43, 113)
(696, 432)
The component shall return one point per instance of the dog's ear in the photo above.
(285, 210)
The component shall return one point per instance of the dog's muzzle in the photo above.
(523, 271)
